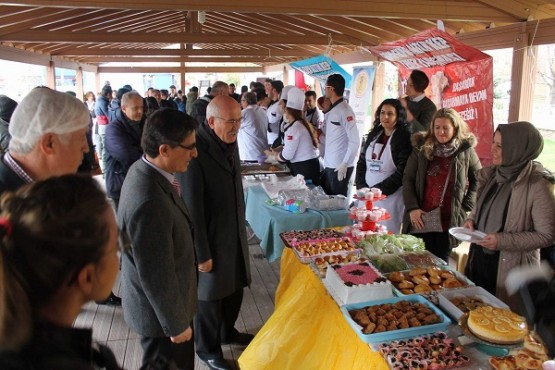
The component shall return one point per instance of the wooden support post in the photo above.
(378, 87)
(51, 75)
(79, 83)
(523, 77)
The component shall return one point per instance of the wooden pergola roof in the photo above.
(259, 33)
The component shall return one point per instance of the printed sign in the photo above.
(320, 67)
(461, 77)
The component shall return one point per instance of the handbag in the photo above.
(432, 219)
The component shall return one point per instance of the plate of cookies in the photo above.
(426, 280)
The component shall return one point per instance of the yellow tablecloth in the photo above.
(307, 330)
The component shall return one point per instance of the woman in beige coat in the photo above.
(515, 208)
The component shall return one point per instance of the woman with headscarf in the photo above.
(441, 172)
(515, 208)
(383, 158)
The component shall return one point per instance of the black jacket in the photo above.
(400, 150)
(123, 148)
(54, 347)
(198, 111)
(9, 181)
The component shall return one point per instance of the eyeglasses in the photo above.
(188, 147)
(230, 121)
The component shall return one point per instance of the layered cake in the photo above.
(497, 325)
(357, 282)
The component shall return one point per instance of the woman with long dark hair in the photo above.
(58, 251)
(300, 148)
(383, 158)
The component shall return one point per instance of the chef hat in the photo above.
(295, 99)
(285, 91)
(43, 111)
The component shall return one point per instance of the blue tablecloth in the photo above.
(268, 222)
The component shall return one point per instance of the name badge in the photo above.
(375, 166)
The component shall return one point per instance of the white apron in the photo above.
(379, 166)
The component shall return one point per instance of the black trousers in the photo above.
(214, 323)
(156, 350)
(330, 183)
(310, 169)
(437, 243)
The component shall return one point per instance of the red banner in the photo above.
(461, 77)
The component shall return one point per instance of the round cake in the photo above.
(497, 325)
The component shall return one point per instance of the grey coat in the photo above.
(466, 166)
(158, 274)
(213, 191)
(529, 223)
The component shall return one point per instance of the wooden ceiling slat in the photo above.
(94, 20)
(46, 17)
(427, 9)
(378, 27)
(127, 21)
(336, 27)
(77, 37)
(247, 22)
(177, 52)
(297, 22)
(180, 59)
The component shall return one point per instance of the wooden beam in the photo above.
(188, 52)
(177, 69)
(51, 75)
(110, 37)
(422, 9)
(106, 59)
(518, 9)
(523, 69)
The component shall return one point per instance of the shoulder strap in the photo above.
(446, 183)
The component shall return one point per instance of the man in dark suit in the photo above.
(159, 277)
(213, 191)
(123, 143)
(48, 130)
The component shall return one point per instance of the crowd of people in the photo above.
(175, 210)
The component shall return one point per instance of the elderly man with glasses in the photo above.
(213, 192)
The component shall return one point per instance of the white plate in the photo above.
(467, 235)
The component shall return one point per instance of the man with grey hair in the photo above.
(252, 137)
(198, 111)
(213, 191)
(49, 137)
(123, 143)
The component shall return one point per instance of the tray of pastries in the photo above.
(434, 351)
(530, 357)
(293, 237)
(426, 280)
(394, 318)
(308, 251)
(320, 264)
(457, 302)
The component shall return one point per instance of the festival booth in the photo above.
(358, 297)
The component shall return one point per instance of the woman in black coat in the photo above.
(383, 158)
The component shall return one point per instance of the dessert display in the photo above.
(435, 351)
(425, 280)
(497, 325)
(311, 249)
(460, 301)
(356, 282)
(294, 236)
(466, 304)
(531, 357)
(391, 244)
(321, 263)
(403, 314)
(404, 261)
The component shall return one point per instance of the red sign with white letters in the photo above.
(461, 77)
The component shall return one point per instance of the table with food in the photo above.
(373, 300)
